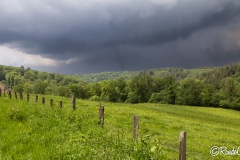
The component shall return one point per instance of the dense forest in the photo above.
(177, 73)
(213, 87)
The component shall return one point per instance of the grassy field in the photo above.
(33, 131)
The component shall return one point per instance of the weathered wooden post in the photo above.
(51, 102)
(10, 94)
(36, 98)
(21, 95)
(60, 104)
(15, 95)
(135, 127)
(43, 100)
(28, 97)
(74, 101)
(101, 115)
(182, 148)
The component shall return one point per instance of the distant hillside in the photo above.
(97, 77)
(216, 75)
(177, 73)
(213, 87)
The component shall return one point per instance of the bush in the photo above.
(94, 98)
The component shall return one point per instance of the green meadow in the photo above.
(30, 130)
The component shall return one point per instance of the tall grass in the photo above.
(33, 131)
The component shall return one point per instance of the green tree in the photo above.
(18, 88)
(108, 91)
(229, 90)
(10, 79)
(64, 91)
(40, 87)
(140, 89)
(30, 75)
(58, 77)
(18, 80)
(43, 76)
(2, 76)
(120, 88)
(95, 89)
(28, 87)
(190, 92)
(207, 95)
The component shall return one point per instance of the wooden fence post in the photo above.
(182, 147)
(74, 101)
(101, 115)
(15, 95)
(28, 97)
(60, 104)
(36, 98)
(135, 127)
(21, 95)
(51, 102)
(43, 100)
(10, 94)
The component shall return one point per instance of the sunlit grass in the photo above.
(33, 131)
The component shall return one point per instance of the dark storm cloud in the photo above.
(122, 35)
(220, 51)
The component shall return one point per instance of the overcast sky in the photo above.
(90, 36)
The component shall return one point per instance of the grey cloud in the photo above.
(222, 51)
(126, 35)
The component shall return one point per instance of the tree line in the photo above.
(216, 88)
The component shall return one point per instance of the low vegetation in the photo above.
(29, 130)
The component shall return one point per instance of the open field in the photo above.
(33, 131)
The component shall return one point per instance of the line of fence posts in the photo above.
(182, 139)
(28, 98)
